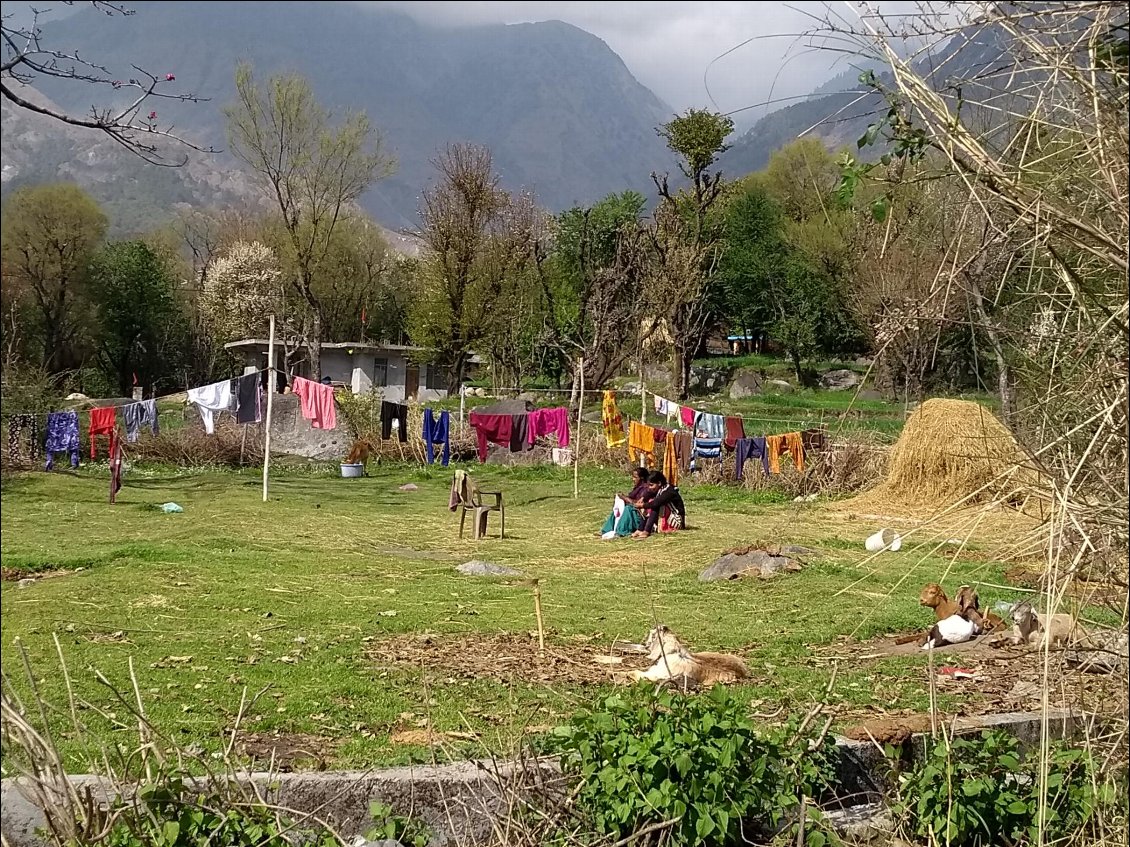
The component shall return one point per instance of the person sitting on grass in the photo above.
(663, 506)
(625, 517)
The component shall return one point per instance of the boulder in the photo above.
(870, 394)
(754, 561)
(747, 383)
(780, 386)
(628, 388)
(840, 380)
(293, 435)
(478, 568)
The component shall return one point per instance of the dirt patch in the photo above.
(288, 750)
(992, 675)
(505, 657)
(16, 574)
(892, 730)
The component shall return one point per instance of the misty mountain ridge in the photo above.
(560, 111)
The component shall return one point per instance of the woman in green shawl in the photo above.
(625, 517)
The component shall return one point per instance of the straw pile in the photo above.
(952, 451)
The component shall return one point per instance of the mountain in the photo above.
(562, 114)
(839, 112)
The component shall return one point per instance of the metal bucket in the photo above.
(352, 471)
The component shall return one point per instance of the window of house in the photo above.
(435, 379)
(380, 372)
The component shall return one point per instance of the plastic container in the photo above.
(352, 471)
(884, 539)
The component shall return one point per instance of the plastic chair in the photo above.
(473, 502)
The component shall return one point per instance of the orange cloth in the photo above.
(778, 445)
(794, 443)
(101, 423)
(773, 447)
(641, 439)
(671, 460)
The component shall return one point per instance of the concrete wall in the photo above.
(358, 371)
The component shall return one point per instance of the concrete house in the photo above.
(358, 365)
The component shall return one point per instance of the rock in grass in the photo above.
(753, 562)
(408, 487)
(477, 568)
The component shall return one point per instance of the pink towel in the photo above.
(688, 415)
(317, 402)
(545, 421)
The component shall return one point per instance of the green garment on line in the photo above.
(629, 522)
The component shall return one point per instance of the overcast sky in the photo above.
(668, 46)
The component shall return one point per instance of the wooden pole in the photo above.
(537, 613)
(272, 384)
(577, 440)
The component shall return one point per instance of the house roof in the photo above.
(340, 345)
(326, 345)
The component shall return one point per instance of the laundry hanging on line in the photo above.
(611, 421)
(390, 413)
(317, 402)
(23, 428)
(102, 422)
(554, 421)
(248, 406)
(62, 437)
(210, 400)
(437, 431)
(136, 415)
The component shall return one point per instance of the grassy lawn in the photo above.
(292, 594)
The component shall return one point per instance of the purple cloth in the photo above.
(545, 421)
(747, 449)
(62, 437)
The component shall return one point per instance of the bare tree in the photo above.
(313, 172)
(134, 125)
(478, 237)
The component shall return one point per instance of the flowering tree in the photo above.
(135, 124)
(242, 287)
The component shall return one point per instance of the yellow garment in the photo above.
(671, 460)
(773, 446)
(613, 423)
(795, 445)
(641, 438)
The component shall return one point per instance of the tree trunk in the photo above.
(798, 368)
(314, 347)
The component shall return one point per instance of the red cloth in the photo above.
(317, 402)
(101, 423)
(688, 415)
(735, 430)
(491, 428)
(545, 421)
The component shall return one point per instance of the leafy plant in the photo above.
(697, 764)
(172, 811)
(981, 790)
(393, 827)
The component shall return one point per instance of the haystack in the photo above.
(951, 451)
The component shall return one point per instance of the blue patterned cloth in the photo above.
(62, 437)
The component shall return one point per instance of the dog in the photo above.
(360, 452)
(674, 662)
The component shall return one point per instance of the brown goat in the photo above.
(934, 597)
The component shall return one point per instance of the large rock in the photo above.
(747, 383)
(477, 568)
(841, 380)
(779, 386)
(292, 434)
(754, 562)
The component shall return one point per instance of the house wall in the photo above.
(358, 371)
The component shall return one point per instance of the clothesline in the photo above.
(127, 403)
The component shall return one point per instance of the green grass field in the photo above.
(294, 593)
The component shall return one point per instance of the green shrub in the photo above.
(976, 791)
(646, 758)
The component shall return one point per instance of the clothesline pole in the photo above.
(272, 382)
(462, 407)
(580, 420)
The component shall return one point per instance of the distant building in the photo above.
(359, 366)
